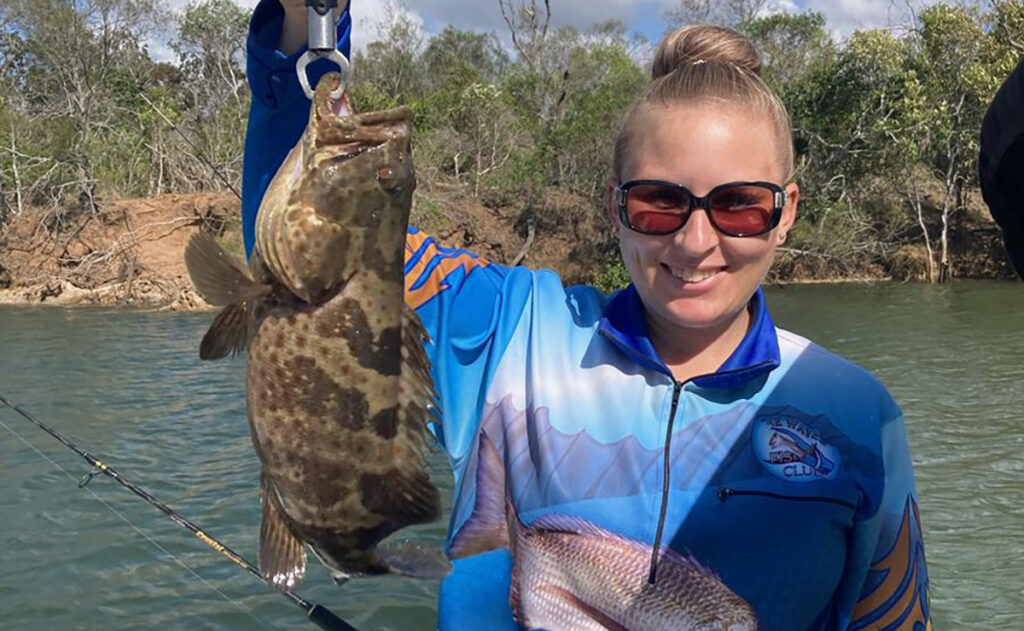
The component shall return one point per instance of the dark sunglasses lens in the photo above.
(657, 208)
(743, 210)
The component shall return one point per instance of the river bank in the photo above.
(131, 252)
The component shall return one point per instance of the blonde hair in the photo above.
(705, 62)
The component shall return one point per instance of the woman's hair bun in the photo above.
(701, 43)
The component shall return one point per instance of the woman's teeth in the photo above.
(692, 276)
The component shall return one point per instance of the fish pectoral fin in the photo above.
(230, 332)
(220, 278)
(282, 555)
(414, 561)
(579, 604)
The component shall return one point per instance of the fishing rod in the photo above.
(318, 614)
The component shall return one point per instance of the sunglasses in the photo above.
(737, 209)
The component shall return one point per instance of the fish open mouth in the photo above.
(349, 134)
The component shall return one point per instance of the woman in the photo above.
(672, 413)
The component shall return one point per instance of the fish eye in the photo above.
(388, 179)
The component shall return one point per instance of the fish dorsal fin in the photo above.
(219, 277)
(282, 556)
(486, 528)
(230, 332)
(560, 522)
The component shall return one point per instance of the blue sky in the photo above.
(645, 17)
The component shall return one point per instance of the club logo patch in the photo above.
(791, 449)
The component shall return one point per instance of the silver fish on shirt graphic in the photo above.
(571, 575)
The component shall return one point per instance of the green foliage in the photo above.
(791, 45)
(613, 275)
(885, 121)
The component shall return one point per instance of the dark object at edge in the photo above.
(1001, 163)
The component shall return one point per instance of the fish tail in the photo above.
(488, 526)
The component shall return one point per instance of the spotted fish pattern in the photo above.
(339, 389)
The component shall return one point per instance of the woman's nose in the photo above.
(697, 236)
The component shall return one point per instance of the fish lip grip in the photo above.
(323, 44)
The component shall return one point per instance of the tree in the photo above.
(210, 102)
(390, 71)
(953, 59)
(790, 45)
(456, 53)
(76, 89)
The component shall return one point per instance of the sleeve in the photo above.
(470, 308)
(468, 305)
(885, 585)
(279, 110)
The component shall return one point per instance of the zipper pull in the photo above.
(725, 493)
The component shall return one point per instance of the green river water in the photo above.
(128, 386)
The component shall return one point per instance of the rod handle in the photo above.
(326, 620)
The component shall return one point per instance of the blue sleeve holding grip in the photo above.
(279, 109)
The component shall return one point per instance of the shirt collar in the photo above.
(624, 324)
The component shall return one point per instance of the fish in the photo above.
(569, 574)
(338, 385)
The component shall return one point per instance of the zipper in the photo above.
(676, 391)
(725, 493)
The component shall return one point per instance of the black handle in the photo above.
(322, 6)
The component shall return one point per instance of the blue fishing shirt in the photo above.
(791, 476)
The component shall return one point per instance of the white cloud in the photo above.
(780, 6)
(845, 16)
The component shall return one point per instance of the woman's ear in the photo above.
(788, 211)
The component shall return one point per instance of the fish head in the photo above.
(341, 200)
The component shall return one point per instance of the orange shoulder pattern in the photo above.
(899, 602)
(428, 265)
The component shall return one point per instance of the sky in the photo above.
(645, 17)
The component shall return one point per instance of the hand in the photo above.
(295, 31)
(299, 6)
(293, 7)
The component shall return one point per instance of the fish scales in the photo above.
(338, 384)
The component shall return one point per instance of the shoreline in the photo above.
(168, 296)
(144, 294)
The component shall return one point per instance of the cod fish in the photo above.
(569, 574)
(339, 389)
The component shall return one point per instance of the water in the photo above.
(127, 386)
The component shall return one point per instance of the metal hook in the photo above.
(333, 55)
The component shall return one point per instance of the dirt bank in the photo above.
(131, 252)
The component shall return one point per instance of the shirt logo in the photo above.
(791, 449)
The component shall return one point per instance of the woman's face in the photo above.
(697, 277)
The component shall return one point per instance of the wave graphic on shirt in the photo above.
(549, 467)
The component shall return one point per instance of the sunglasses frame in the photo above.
(622, 195)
